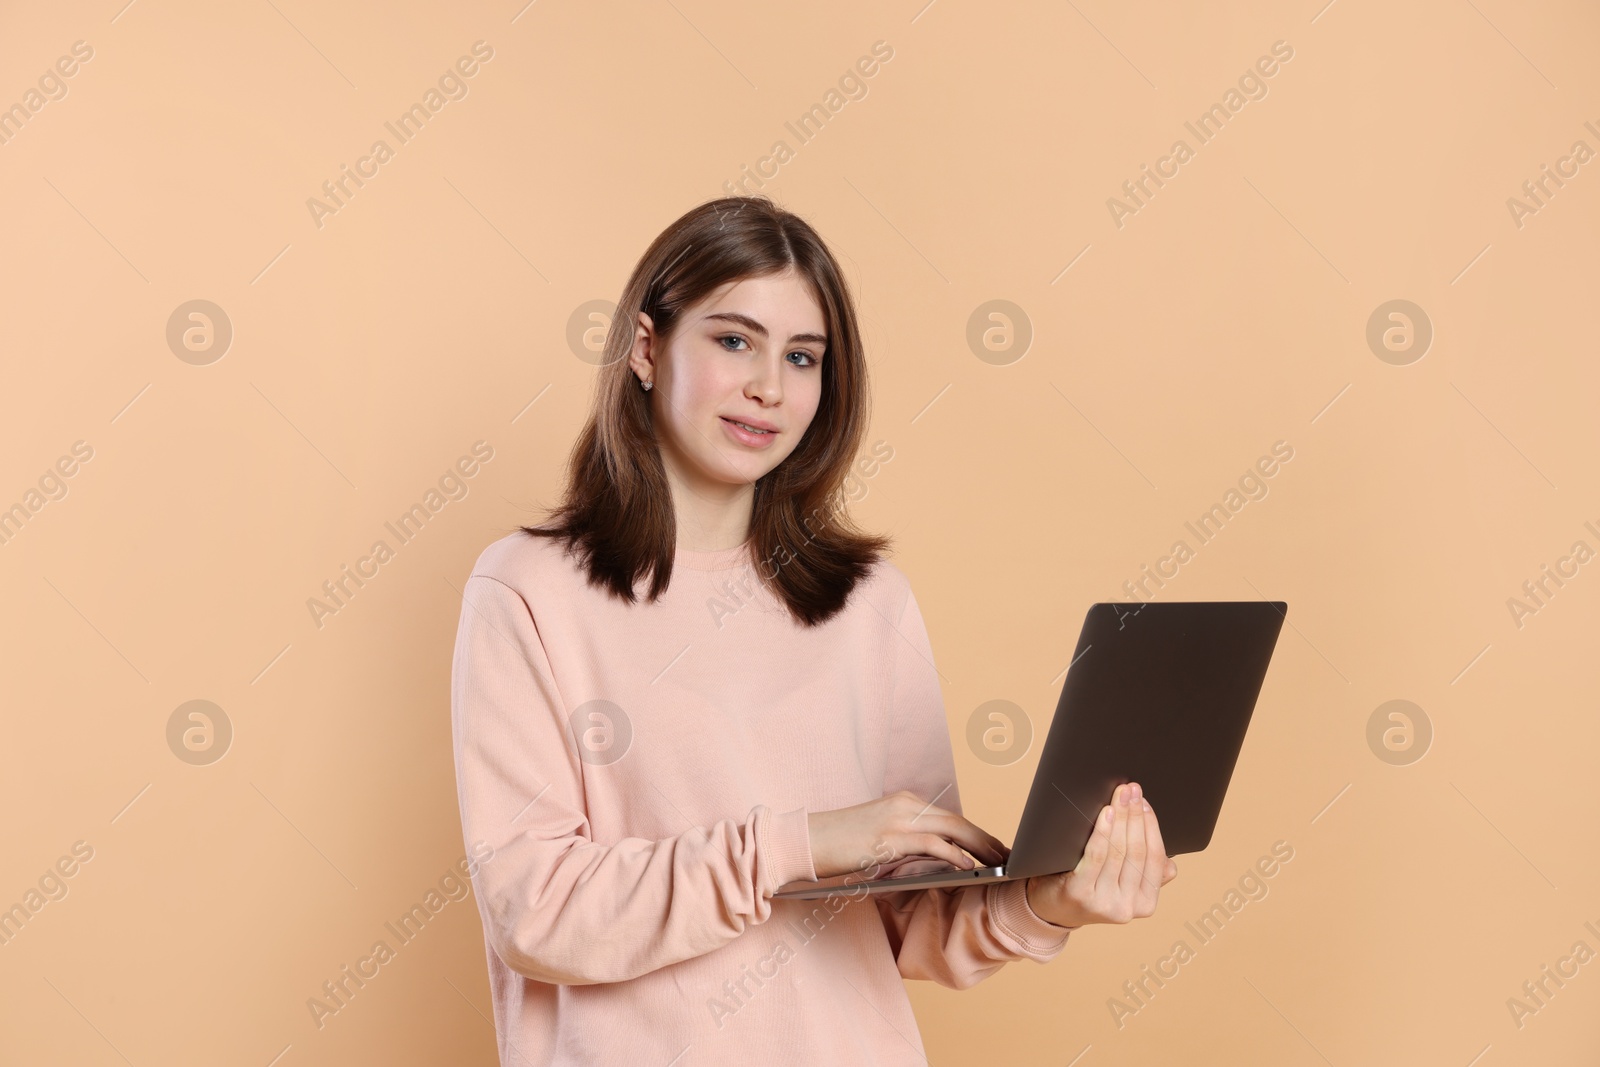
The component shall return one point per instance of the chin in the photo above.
(750, 477)
(742, 474)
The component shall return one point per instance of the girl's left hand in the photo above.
(1120, 875)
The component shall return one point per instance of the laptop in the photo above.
(1156, 693)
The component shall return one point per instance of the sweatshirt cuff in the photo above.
(1013, 915)
(788, 849)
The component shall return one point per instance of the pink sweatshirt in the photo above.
(626, 904)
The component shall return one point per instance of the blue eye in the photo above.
(796, 352)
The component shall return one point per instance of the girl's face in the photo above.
(751, 352)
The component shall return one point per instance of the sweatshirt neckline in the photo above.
(722, 559)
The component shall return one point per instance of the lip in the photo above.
(757, 423)
(744, 437)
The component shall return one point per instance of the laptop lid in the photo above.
(1156, 693)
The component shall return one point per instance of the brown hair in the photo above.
(617, 515)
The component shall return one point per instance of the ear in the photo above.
(641, 357)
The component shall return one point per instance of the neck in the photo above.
(711, 515)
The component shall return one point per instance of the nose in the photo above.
(766, 380)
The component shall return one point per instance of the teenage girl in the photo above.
(697, 681)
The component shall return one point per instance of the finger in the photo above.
(1156, 848)
(1094, 853)
(908, 848)
(988, 844)
(963, 832)
(936, 846)
(1134, 876)
(1116, 847)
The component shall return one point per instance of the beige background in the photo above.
(433, 309)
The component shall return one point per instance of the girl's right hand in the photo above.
(880, 832)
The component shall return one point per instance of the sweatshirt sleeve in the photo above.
(956, 937)
(557, 906)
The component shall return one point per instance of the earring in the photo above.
(647, 386)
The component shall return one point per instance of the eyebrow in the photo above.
(756, 328)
